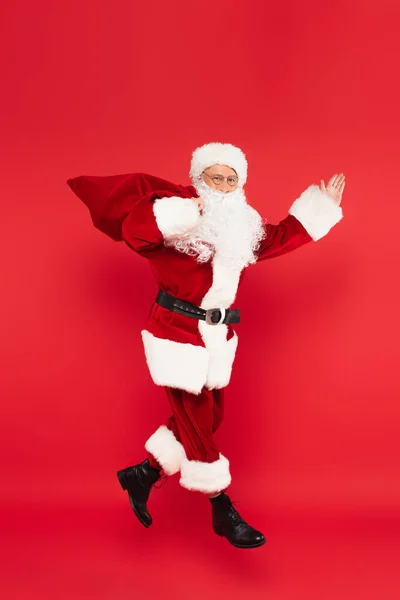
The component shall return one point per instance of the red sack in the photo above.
(111, 198)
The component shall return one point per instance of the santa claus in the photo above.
(198, 240)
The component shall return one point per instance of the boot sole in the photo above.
(123, 483)
(243, 547)
(250, 547)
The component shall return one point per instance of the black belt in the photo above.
(212, 316)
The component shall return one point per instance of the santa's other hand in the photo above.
(335, 187)
(200, 203)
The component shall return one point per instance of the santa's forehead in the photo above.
(220, 167)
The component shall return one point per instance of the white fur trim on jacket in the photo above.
(164, 446)
(174, 364)
(221, 351)
(221, 354)
(219, 154)
(189, 367)
(175, 215)
(316, 211)
(205, 477)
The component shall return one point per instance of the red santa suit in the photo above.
(190, 358)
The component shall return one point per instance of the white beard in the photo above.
(228, 226)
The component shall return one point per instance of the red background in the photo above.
(307, 89)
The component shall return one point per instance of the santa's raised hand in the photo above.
(335, 187)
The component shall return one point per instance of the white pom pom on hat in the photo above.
(219, 154)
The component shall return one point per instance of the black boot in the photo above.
(228, 523)
(138, 481)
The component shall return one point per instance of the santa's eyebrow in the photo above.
(220, 174)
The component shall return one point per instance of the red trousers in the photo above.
(187, 443)
(193, 422)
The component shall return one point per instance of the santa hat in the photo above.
(219, 154)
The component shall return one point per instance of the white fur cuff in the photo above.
(205, 477)
(316, 211)
(164, 446)
(175, 215)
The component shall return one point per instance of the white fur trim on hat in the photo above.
(219, 154)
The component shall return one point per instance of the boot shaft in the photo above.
(139, 479)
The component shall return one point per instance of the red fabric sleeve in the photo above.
(289, 234)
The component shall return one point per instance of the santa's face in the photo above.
(228, 225)
(221, 177)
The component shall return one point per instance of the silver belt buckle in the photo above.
(209, 313)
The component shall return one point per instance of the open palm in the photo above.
(335, 187)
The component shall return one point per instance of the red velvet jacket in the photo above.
(142, 210)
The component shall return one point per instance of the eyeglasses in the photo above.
(218, 179)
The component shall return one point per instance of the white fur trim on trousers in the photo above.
(205, 477)
(166, 449)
